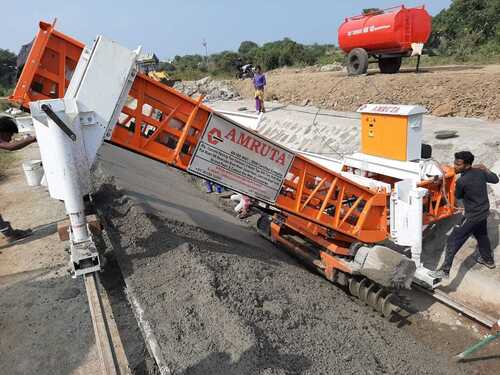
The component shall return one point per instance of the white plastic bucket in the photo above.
(34, 172)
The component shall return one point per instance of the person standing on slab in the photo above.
(8, 128)
(471, 188)
(259, 83)
(212, 186)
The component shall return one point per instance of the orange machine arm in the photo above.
(161, 123)
(171, 125)
(49, 66)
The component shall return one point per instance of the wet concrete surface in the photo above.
(221, 300)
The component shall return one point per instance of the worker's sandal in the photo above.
(490, 264)
(243, 214)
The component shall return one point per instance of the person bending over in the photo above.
(8, 128)
(471, 188)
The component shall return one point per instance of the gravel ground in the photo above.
(217, 306)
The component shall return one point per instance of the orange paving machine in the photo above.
(334, 214)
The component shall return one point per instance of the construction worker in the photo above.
(212, 186)
(243, 206)
(471, 188)
(8, 128)
(259, 83)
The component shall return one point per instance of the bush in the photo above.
(189, 74)
(271, 55)
(8, 62)
(5, 91)
(467, 28)
(246, 47)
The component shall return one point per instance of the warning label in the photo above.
(242, 160)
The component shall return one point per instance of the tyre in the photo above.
(357, 62)
(389, 65)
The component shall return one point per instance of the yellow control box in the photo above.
(391, 131)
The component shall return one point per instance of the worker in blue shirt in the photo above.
(259, 82)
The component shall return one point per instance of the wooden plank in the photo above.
(101, 334)
(119, 351)
(63, 227)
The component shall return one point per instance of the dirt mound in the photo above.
(217, 306)
(446, 91)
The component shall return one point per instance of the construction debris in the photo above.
(331, 68)
(445, 134)
(213, 90)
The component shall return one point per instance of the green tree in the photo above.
(247, 46)
(225, 61)
(166, 66)
(466, 27)
(271, 55)
(187, 62)
(7, 69)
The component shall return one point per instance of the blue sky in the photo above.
(169, 28)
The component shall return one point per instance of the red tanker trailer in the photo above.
(385, 35)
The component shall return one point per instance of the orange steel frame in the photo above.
(308, 190)
(440, 202)
(48, 68)
(161, 123)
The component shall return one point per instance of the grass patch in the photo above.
(4, 104)
(477, 59)
(194, 75)
(6, 160)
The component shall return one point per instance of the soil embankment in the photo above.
(466, 91)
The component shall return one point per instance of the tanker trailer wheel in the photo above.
(389, 65)
(357, 62)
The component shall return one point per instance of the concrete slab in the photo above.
(335, 134)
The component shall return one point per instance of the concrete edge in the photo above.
(148, 334)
